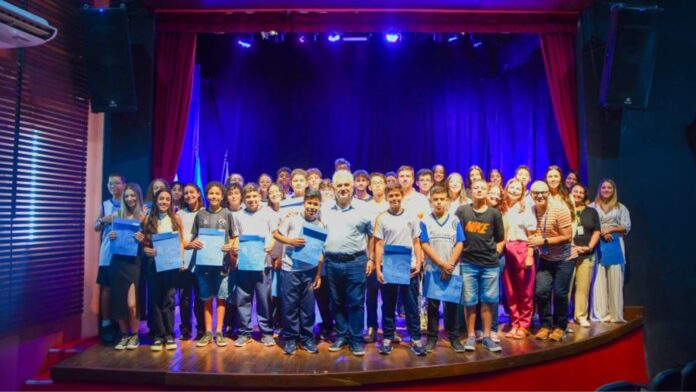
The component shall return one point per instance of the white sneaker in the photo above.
(495, 337)
(584, 323)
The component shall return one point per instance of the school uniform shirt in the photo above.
(483, 230)
(221, 219)
(520, 222)
(375, 209)
(442, 236)
(108, 208)
(416, 204)
(262, 223)
(292, 227)
(347, 228)
(398, 229)
(187, 218)
(550, 224)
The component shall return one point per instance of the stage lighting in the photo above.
(475, 42)
(453, 37)
(302, 38)
(392, 38)
(273, 36)
(244, 43)
(334, 37)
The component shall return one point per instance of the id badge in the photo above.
(581, 230)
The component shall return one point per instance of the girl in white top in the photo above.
(161, 285)
(607, 299)
(519, 271)
(187, 283)
(455, 191)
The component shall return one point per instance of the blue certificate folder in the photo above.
(448, 291)
(168, 247)
(252, 255)
(396, 265)
(610, 252)
(315, 237)
(211, 254)
(125, 244)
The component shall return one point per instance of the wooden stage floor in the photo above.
(256, 366)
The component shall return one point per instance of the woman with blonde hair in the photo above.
(455, 191)
(615, 221)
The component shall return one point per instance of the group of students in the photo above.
(303, 242)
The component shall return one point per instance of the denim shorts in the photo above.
(480, 284)
(212, 284)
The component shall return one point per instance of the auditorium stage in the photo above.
(590, 356)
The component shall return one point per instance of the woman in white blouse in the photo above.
(607, 299)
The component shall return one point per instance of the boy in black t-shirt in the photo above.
(485, 238)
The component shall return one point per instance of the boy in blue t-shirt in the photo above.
(298, 280)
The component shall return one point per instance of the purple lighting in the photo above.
(334, 37)
(392, 38)
(244, 44)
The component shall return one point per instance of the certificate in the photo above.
(294, 204)
(610, 252)
(396, 265)
(449, 290)
(168, 247)
(252, 255)
(315, 237)
(125, 244)
(211, 254)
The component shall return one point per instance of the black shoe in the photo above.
(338, 345)
(290, 347)
(107, 334)
(310, 347)
(457, 346)
(386, 347)
(157, 345)
(358, 349)
(185, 336)
(430, 344)
(170, 343)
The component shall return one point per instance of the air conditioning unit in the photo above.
(19, 28)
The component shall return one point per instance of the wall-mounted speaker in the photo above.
(107, 54)
(629, 60)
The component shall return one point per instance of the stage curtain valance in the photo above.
(176, 49)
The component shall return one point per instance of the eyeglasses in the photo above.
(543, 193)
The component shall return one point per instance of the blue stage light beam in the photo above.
(392, 38)
(334, 37)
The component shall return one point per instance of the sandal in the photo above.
(511, 333)
(521, 333)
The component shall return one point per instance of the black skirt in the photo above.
(124, 271)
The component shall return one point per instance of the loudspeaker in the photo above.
(107, 54)
(629, 60)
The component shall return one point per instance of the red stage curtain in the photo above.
(176, 50)
(559, 62)
(175, 62)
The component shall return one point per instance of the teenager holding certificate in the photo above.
(607, 300)
(485, 238)
(161, 281)
(398, 229)
(116, 183)
(254, 276)
(300, 277)
(187, 283)
(124, 271)
(442, 240)
(212, 270)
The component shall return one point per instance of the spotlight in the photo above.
(273, 36)
(452, 38)
(475, 42)
(301, 38)
(244, 44)
(392, 38)
(334, 37)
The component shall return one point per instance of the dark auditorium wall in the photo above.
(655, 169)
(128, 135)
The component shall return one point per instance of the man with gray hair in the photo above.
(348, 262)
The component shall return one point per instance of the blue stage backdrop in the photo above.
(418, 102)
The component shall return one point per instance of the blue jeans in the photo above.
(495, 310)
(347, 289)
(298, 304)
(409, 295)
(553, 275)
(480, 284)
(254, 284)
(373, 289)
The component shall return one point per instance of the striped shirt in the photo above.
(550, 224)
